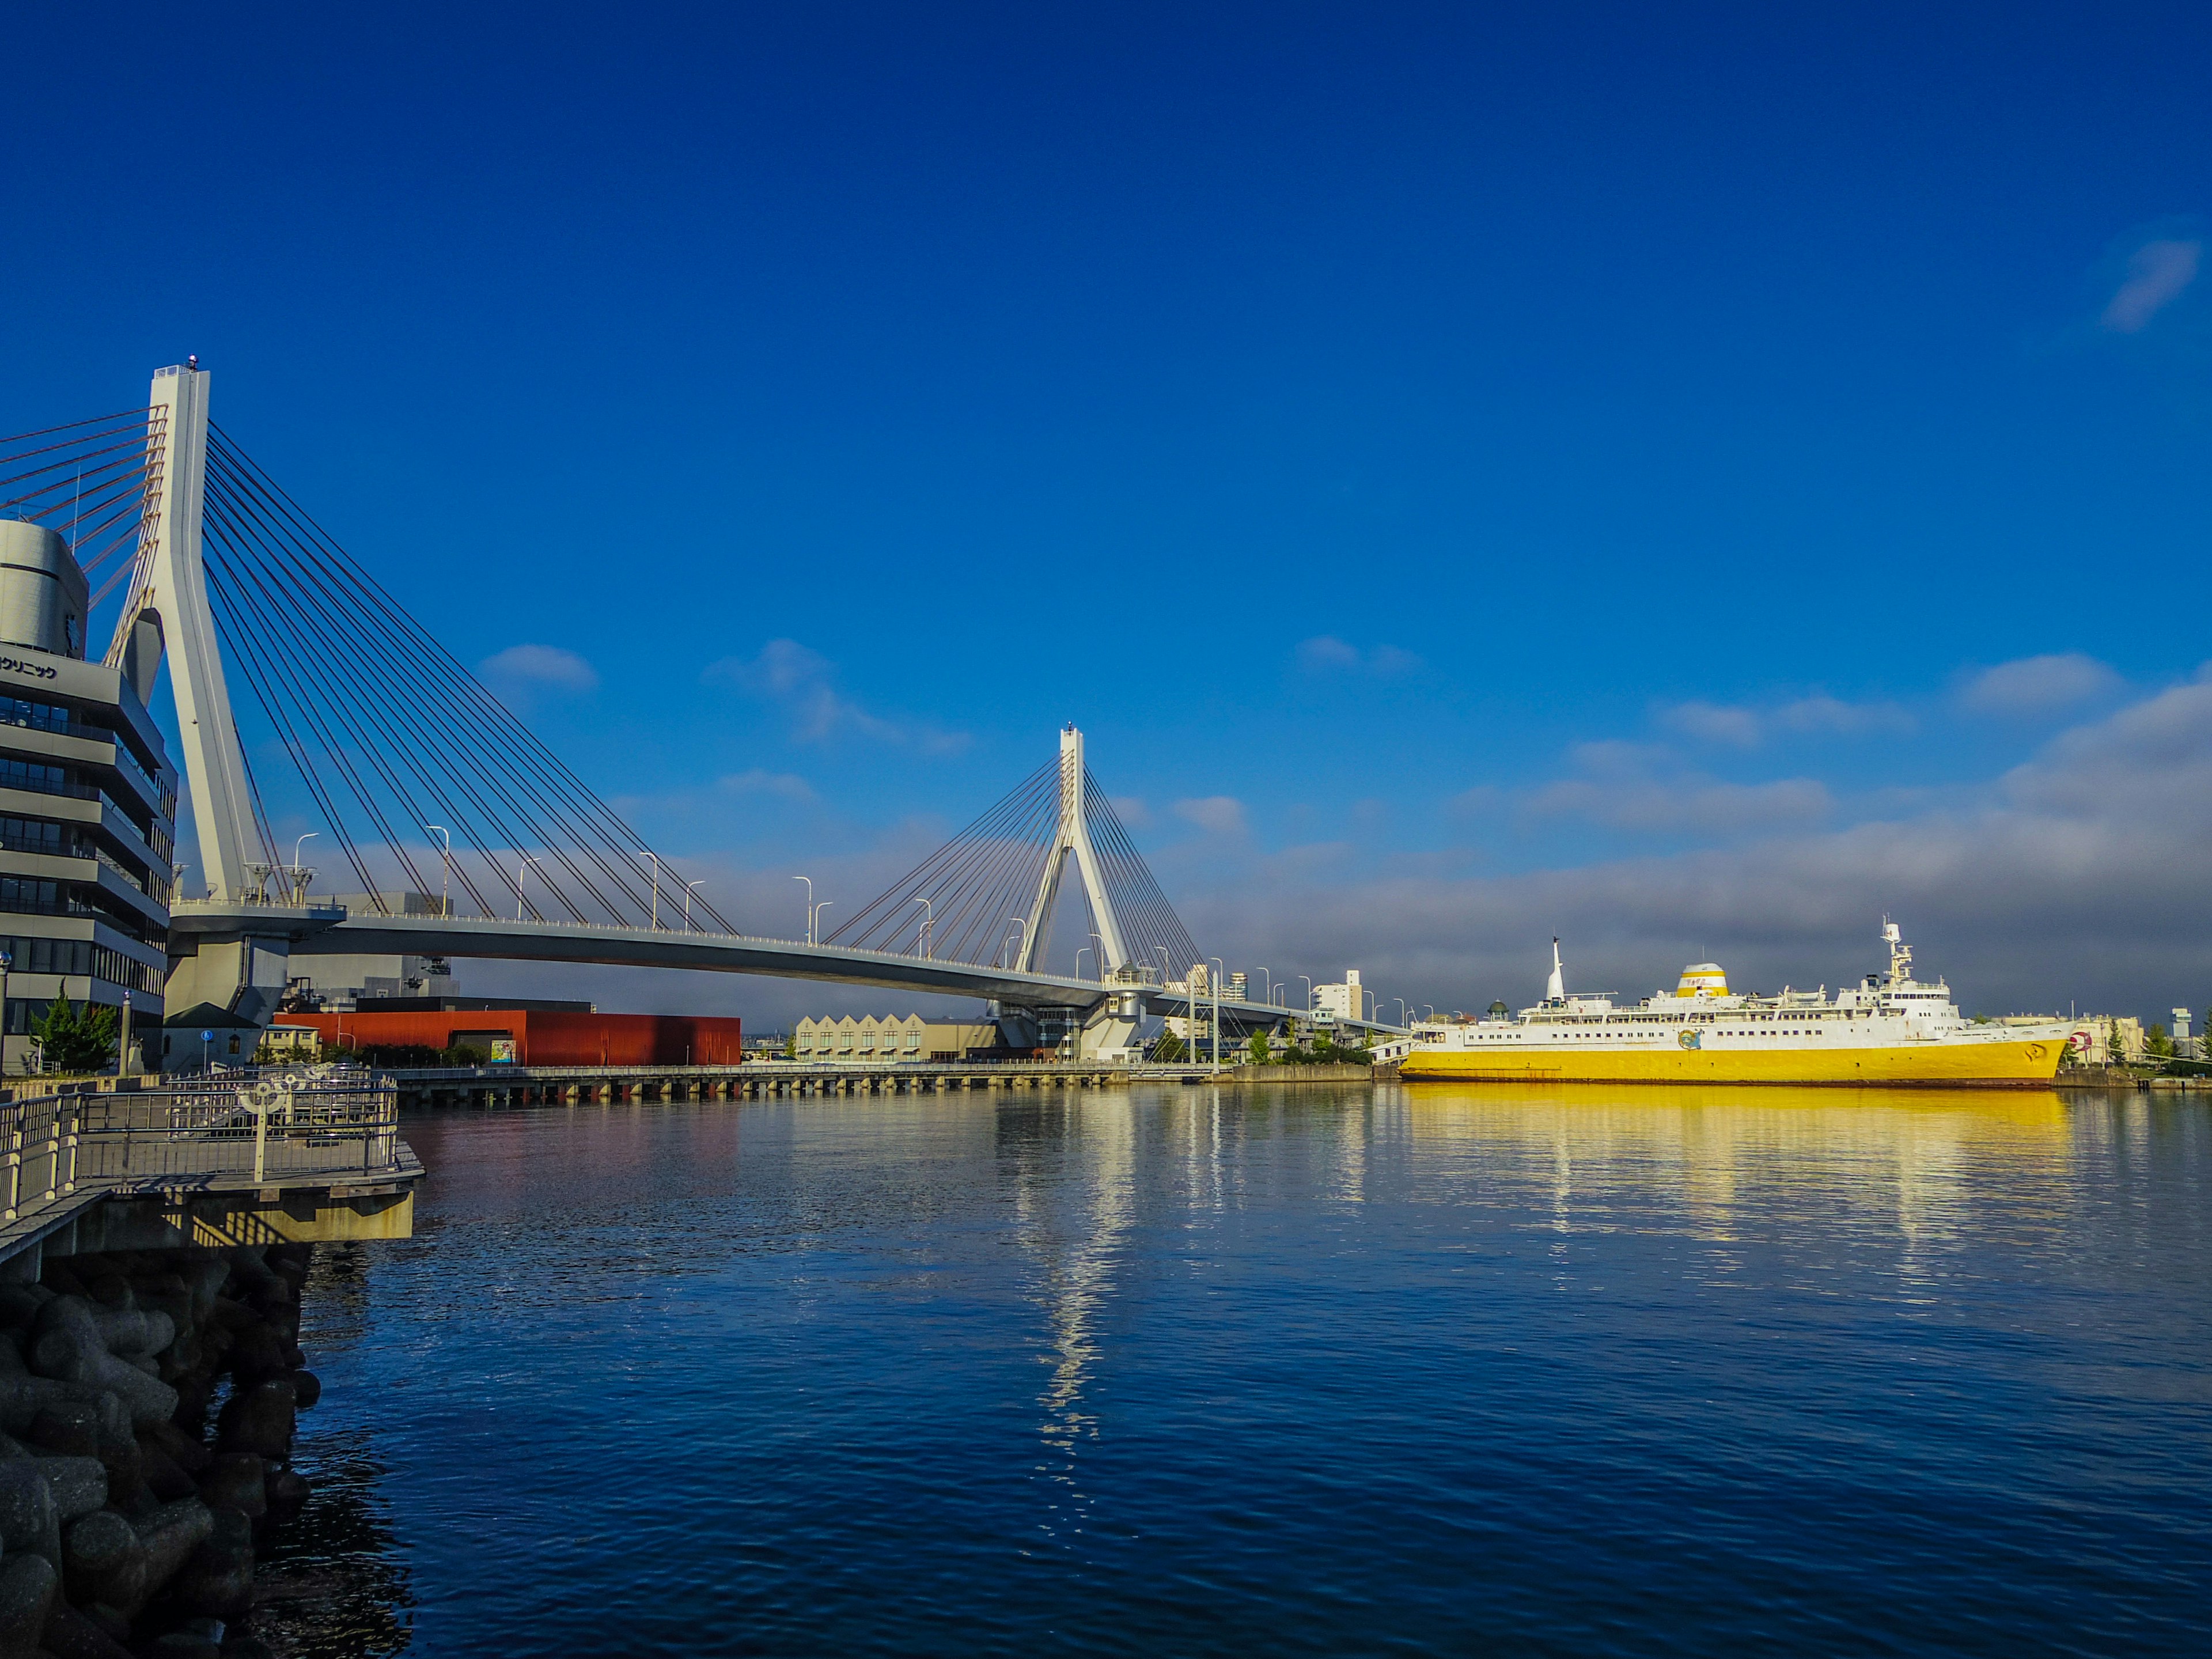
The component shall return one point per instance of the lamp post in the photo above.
(123, 1039)
(928, 923)
(1307, 981)
(299, 888)
(809, 880)
(1401, 1001)
(446, 880)
(688, 886)
(819, 909)
(7, 961)
(521, 871)
(1266, 988)
(1214, 984)
(1022, 922)
(1100, 953)
(1079, 955)
(655, 859)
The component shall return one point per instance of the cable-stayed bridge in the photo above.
(422, 782)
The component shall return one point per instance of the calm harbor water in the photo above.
(1288, 1370)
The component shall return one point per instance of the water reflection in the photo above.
(333, 1585)
(1488, 1356)
(1074, 1165)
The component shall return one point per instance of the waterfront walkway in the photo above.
(241, 1159)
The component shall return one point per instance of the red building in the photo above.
(536, 1036)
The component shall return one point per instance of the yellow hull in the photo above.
(1953, 1065)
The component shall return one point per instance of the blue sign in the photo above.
(207, 1036)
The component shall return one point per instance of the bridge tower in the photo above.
(1112, 1026)
(1073, 841)
(167, 610)
(232, 948)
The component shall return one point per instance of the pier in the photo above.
(210, 1164)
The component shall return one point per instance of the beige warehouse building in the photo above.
(854, 1041)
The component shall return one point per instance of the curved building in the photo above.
(88, 808)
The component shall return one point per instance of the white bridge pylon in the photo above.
(166, 609)
(1073, 841)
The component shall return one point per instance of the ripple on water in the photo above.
(1304, 1370)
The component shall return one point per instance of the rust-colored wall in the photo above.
(545, 1039)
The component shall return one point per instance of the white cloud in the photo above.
(1817, 714)
(1714, 723)
(2037, 685)
(1131, 810)
(2157, 273)
(539, 667)
(1692, 805)
(1326, 653)
(804, 683)
(2082, 876)
(1218, 815)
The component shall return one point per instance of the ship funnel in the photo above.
(1557, 989)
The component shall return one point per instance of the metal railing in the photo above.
(330, 1124)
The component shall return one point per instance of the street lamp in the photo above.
(656, 890)
(523, 869)
(809, 880)
(1079, 955)
(1267, 984)
(819, 909)
(1214, 984)
(1023, 923)
(688, 886)
(444, 881)
(1401, 1001)
(928, 923)
(299, 890)
(1307, 979)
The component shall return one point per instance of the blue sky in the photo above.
(1473, 474)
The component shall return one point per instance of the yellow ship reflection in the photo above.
(1922, 1159)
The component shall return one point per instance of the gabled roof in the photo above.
(205, 1016)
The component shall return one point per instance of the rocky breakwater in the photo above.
(127, 1520)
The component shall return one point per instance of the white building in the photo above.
(1342, 1001)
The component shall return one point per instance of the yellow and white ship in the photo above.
(1888, 1029)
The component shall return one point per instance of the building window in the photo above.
(35, 774)
(38, 716)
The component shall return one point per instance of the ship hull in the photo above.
(2022, 1065)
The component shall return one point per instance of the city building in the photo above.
(532, 1036)
(87, 809)
(337, 984)
(854, 1041)
(2093, 1034)
(1343, 1002)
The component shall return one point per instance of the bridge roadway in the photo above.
(332, 932)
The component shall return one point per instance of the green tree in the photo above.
(2160, 1045)
(2114, 1052)
(1258, 1047)
(77, 1039)
(1169, 1048)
